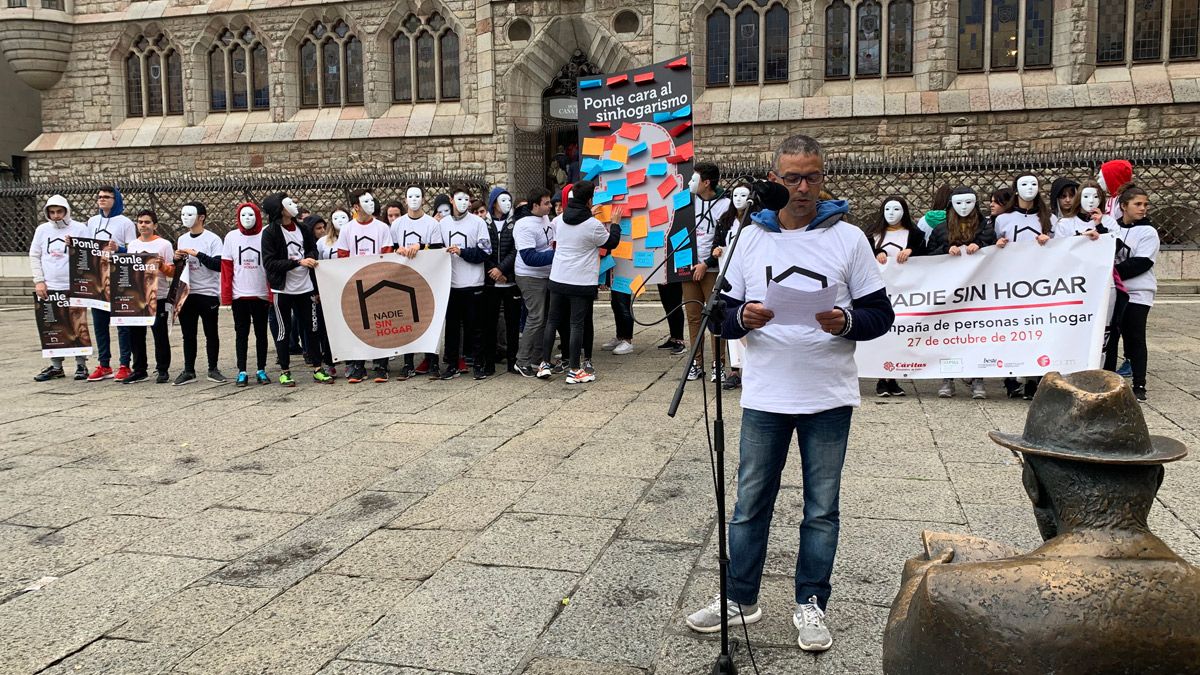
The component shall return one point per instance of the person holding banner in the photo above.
(800, 382)
(364, 235)
(326, 236)
(413, 231)
(50, 260)
(149, 242)
(289, 253)
(894, 236)
(200, 250)
(110, 224)
(244, 289)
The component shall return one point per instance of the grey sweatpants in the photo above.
(533, 291)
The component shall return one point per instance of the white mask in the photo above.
(367, 203)
(443, 210)
(247, 219)
(340, 218)
(505, 202)
(1089, 200)
(1100, 180)
(414, 199)
(462, 202)
(187, 216)
(741, 197)
(290, 207)
(694, 183)
(964, 204)
(893, 212)
(1027, 187)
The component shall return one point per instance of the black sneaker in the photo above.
(49, 373)
(481, 373)
(406, 372)
(695, 373)
(214, 375)
(135, 376)
(1031, 386)
(81, 373)
(381, 375)
(882, 390)
(1012, 387)
(678, 347)
(560, 367)
(734, 381)
(668, 343)
(1139, 393)
(163, 377)
(185, 377)
(894, 388)
(525, 371)
(448, 373)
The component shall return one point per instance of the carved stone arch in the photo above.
(286, 59)
(805, 41)
(195, 70)
(380, 75)
(116, 68)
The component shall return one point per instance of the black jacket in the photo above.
(939, 239)
(275, 254)
(504, 251)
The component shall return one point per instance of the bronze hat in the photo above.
(1090, 416)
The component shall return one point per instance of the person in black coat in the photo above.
(290, 259)
(501, 292)
(894, 236)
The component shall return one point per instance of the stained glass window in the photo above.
(1039, 29)
(401, 69)
(745, 48)
(1184, 17)
(1005, 17)
(426, 84)
(716, 48)
(776, 34)
(133, 85)
(1147, 30)
(868, 36)
(837, 40)
(449, 63)
(900, 37)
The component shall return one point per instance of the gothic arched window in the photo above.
(868, 38)
(331, 67)
(425, 61)
(900, 37)
(837, 40)
(237, 73)
(746, 43)
(153, 75)
(989, 30)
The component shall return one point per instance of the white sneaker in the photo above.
(580, 376)
(810, 621)
(544, 371)
(708, 619)
(612, 343)
(947, 388)
(623, 347)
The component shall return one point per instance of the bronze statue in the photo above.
(1102, 595)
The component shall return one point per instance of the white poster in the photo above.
(377, 306)
(1021, 310)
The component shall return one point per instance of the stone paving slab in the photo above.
(435, 528)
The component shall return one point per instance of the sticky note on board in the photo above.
(659, 216)
(684, 112)
(685, 151)
(604, 215)
(610, 142)
(590, 84)
(607, 263)
(683, 258)
(636, 178)
(660, 117)
(588, 164)
(679, 129)
(643, 259)
(610, 165)
(620, 153)
(616, 187)
(624, 251)
(626, 227)
(622, 285)
(636, 202)
(661, 149)
(630, 131)
(637, 149)
(681, 200)
(656, 239)
(601, 197)
(679, 239)
(638, 285)
(657, 169)
(638, 227)
(593, 147)
(668, 184)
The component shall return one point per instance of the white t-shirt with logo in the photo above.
(298, 280)
(577, 252)
(467, 232)
(423, 231)
(1017, 226)
(801, 369)
(537, 233)
(1141, 241)
(708, 213)
(117, 228)
(201, 280)
(163, 249)
(365, 238)
(326, 250)
(245, 253)
(50, 246)
(894, 241)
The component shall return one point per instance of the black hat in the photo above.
(1090, 416)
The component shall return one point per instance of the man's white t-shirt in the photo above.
(117, 228)
(163, 249)
(537, 233)
(365, 238)
(298, 280)
(801, 369)
(201, 280)
(245, 253)
(467, 232)
(423, 231)
(577, 252)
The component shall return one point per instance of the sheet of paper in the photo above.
(636, 178)
(667, 186)
(794, 307)
(601, 198)
(637, 149)
(636, 202)
(679, 239)
(617, 187)
(659, 216)
(657, 169)
(681, 200)
(661, 149)
(638, 228)
(622, 285)
(607, 263)
(626, 227)
(630, 131)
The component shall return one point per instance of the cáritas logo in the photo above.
(387, 305)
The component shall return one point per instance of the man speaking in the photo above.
(799, 378)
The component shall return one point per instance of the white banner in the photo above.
(382, 305)
(1021, 310)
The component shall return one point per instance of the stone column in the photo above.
(935, 44)
(1074, 54)
(669, 20)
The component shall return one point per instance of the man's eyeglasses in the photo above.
(794, 179)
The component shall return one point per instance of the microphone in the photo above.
(769, 195)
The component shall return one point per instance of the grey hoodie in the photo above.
(48, 253)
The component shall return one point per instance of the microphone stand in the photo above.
(724, 664)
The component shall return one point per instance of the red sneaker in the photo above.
(423, 367)
(462, 365)
(123, 373)
(100, 373)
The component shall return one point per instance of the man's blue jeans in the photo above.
(766, 439)
(100, 322)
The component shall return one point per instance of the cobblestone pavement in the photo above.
(507, 526)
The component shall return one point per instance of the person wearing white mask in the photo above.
(50, 260)
(112, 225)
(412, 232)
(327, 232)
(364, 235)
(290, 258)
(200, 250)
(728, 227)
(244, 289)
(708, 203)
(895, 237)
(501, 295)
(467, 241)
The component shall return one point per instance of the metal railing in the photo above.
(1170, 176)
(21, 203)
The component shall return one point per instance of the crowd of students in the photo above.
(525, 275)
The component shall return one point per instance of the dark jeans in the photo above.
(1133, 331)
(287, 308)
(766, 440)
(1112, 332)
(671, 297)
(579, 307)
(197, 308)
(162, 343)
(463, 314)
(100, 322)
(622, 307)
(247, 311)
(564, 329)
(496, 299)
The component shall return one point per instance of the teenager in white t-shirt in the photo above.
(1137, 251)
(244, 289)
(575, 272)
(708, 205)
(800, 382)
(200, 250)
(533, 238)
(149, 242)
(49, 259)
(466, 238)
(364, 235)
(290, 258)
(112, 225)
(326, 236)
(412, 232)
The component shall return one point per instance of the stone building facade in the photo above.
(485, 110)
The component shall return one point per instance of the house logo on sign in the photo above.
(387, 305)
